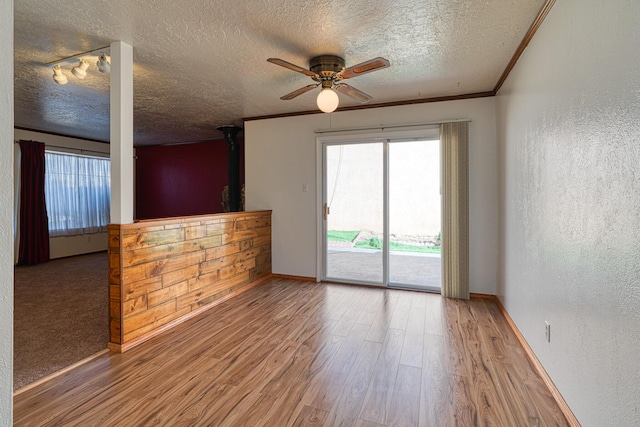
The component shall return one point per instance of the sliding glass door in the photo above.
(354, 212)
(414, 214)
(381, 212)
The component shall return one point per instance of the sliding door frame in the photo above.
(430, 132)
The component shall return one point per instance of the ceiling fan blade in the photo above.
(352, 92)
(299, 92)
(291, 66)
(363, 68)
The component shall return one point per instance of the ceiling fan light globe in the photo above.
(58, 77)
(327, 100)
(80, 71)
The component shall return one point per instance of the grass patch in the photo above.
(342, 236)
(376, 243)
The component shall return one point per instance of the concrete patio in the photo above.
(365, 265)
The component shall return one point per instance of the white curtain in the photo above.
(454, 138)
(77, 191)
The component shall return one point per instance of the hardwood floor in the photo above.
(294, 353)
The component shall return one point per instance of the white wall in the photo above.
(569, 146)
(280, 156)
(65, 246)
(6, 213)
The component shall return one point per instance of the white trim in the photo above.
(385, 213)
(427, 132)
(320, 226)
(61, 372)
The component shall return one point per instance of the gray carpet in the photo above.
(60, 315)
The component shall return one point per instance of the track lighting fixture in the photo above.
(103, 64)
(58, 77)
(80, 71)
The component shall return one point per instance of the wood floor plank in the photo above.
(436, 384)
(310, 417)
(351, 315)
(236, 336)
(275, 356)
(498, 319)
(347, 407)
(400, 316)
(339, 298)
(405, 406)
(457, 359)
(382, 319)
(257, 350)
(434, 320)
(488, 329)
(462, 407)
(277, 403)
(538, 395)
(419, 300)
(378, 399)
(208, 404)
(284, 410)
(324, 390)
(370, 310)
(484, 388)
(467, 322)
(412, 347)
(523, 411)
(260, 345)
(365, 423)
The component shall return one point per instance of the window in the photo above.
(77, 192)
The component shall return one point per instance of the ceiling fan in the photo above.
(328, 71)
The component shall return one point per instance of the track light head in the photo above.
(103, 64)
(80, 71)
(58, 77)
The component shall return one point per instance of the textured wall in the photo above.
(281, 157)
(6, 212)
(569, 144)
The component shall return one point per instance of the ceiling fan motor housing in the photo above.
(326, 66)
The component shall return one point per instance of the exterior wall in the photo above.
(163, 271)
(569, 144)
(6, 213)
(280, 156)
(414, 174)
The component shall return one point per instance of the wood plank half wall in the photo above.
(162, 272)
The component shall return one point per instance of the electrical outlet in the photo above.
(547, 331)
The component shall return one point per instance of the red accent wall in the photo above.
(183, 179)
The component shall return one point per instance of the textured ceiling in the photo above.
(202, 63)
